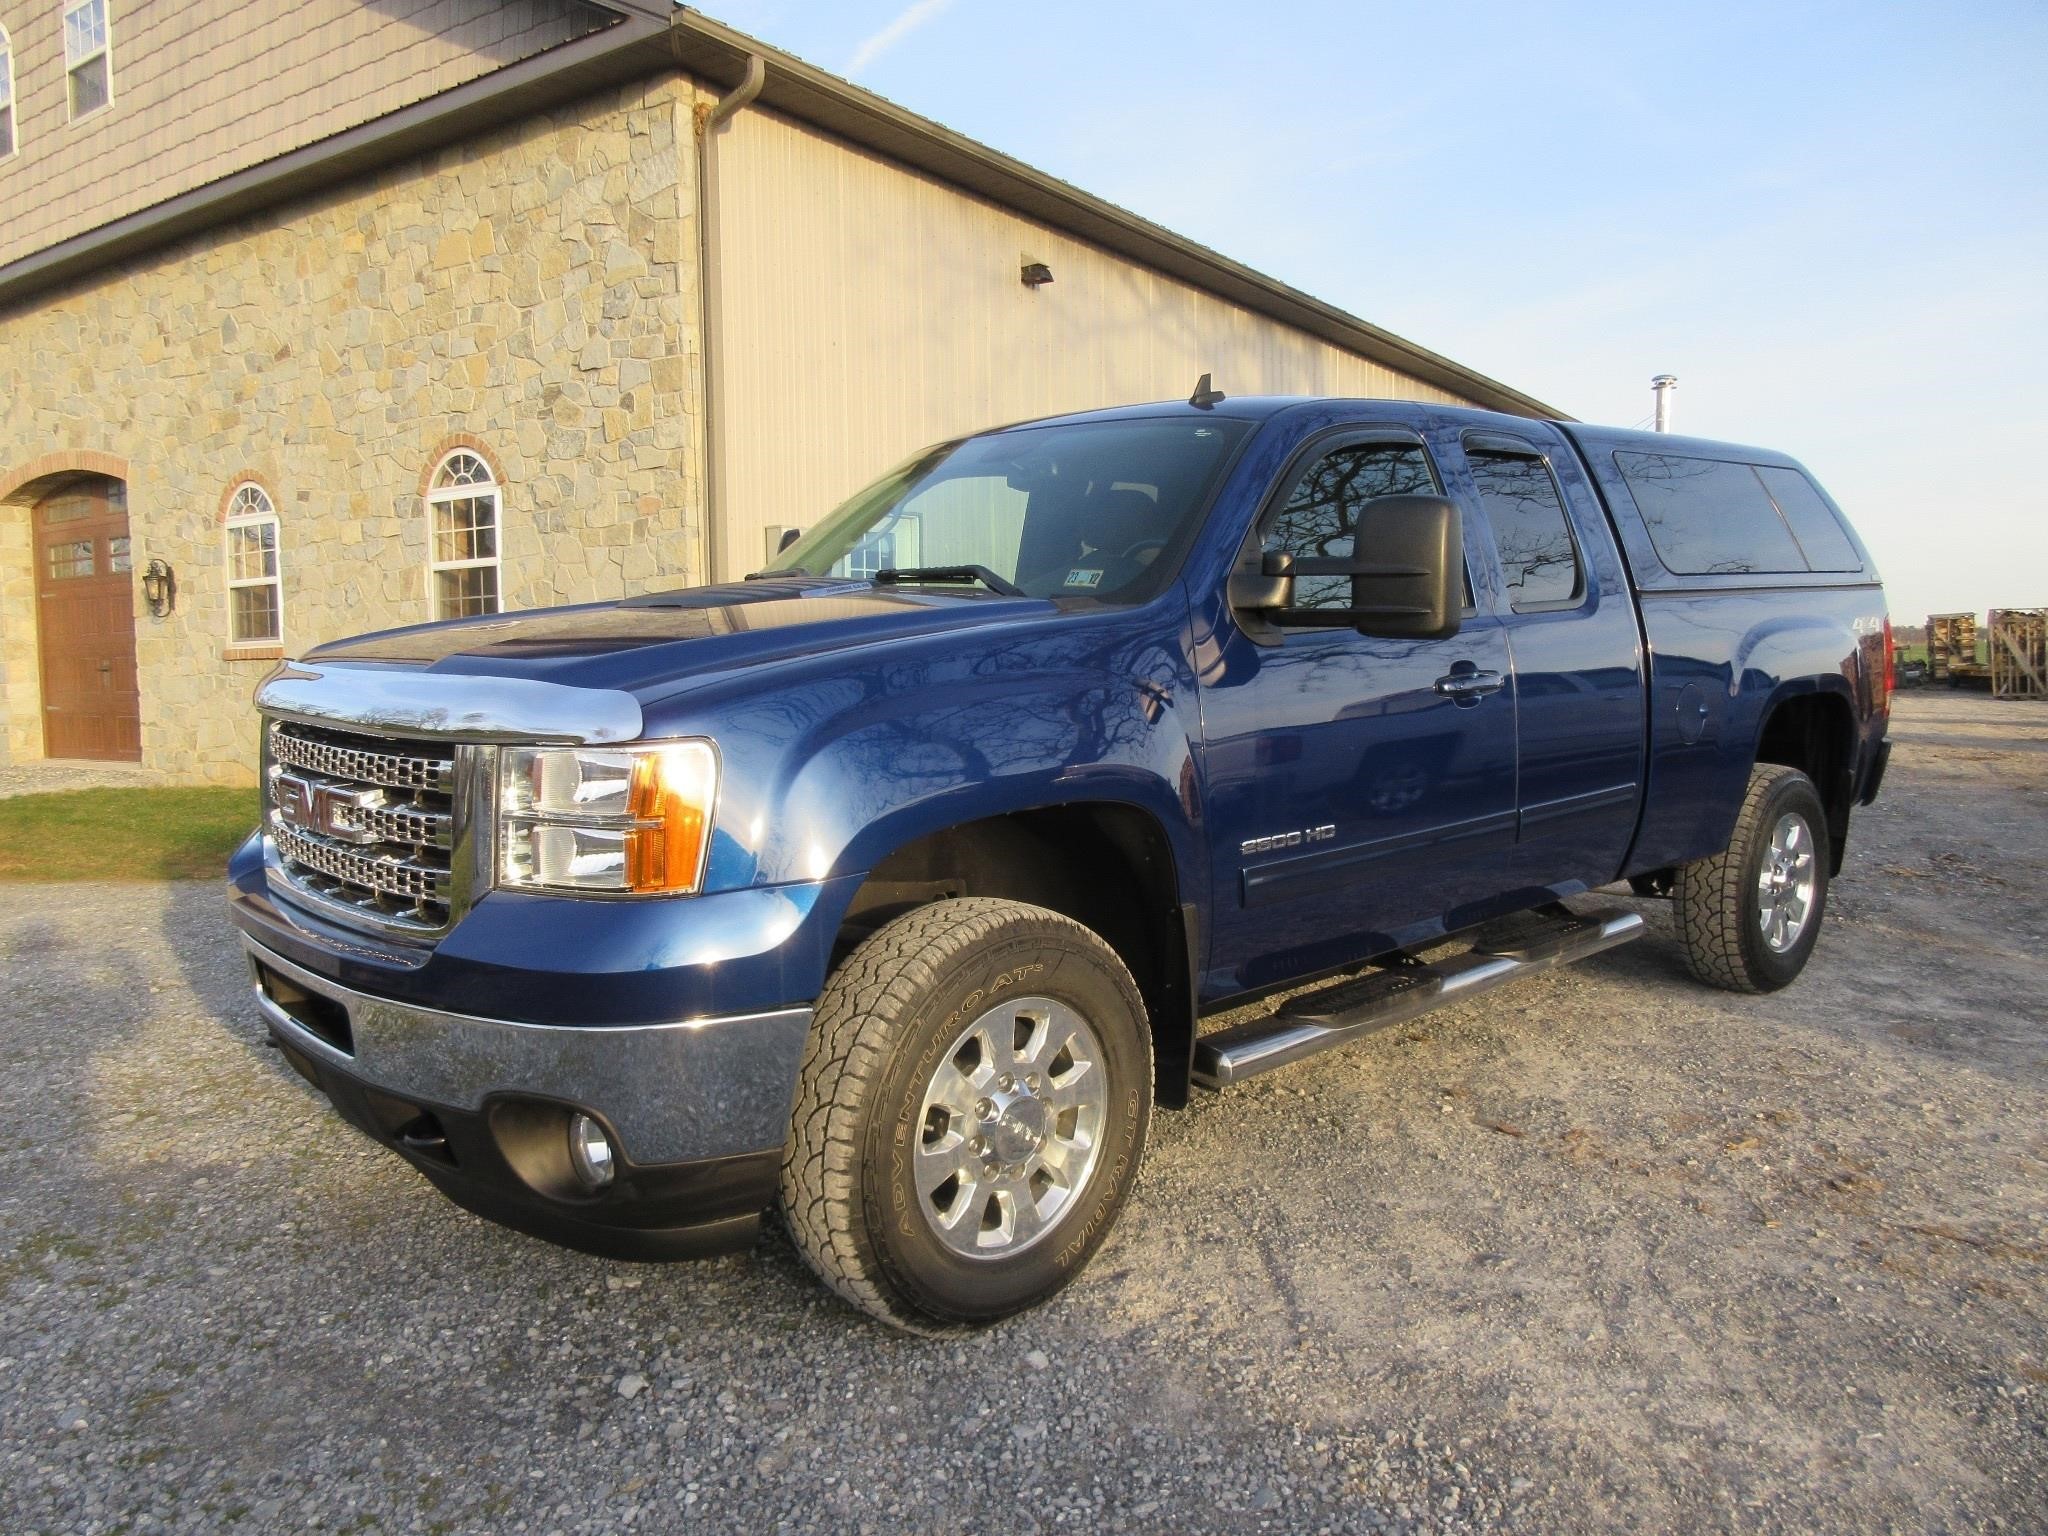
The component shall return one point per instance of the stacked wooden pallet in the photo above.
(2019, 653)
(1952, 649)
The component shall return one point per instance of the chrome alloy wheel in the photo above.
(1011, 1128)
(1785, 884)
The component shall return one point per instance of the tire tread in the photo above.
(860, 1020)
(1710, 893)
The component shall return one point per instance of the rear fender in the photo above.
(1707, 710)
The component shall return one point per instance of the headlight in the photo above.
(620, 819)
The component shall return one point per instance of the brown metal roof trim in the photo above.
(638, 45)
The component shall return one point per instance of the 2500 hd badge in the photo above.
(1322, 834)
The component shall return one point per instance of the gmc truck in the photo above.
(891, 887)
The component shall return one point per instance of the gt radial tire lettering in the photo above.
(1112, 1181)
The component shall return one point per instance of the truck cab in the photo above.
(891, 886)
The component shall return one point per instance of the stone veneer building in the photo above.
(328, 317)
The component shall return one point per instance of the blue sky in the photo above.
(1830, 221)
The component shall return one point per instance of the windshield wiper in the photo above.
(946, 573)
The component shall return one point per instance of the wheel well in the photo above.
(1816, 733)
(1108, 867)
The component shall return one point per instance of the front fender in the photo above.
(886, 782)
(831, 769)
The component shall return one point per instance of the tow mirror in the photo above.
(1404, 581)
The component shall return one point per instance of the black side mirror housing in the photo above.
(1407, 579)
(1270, 587)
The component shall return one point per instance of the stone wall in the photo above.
(20, 687)
(533, 291)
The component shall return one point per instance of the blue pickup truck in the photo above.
(890, 887)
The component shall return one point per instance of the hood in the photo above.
(645, 644)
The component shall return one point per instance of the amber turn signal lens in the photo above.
(671, 797)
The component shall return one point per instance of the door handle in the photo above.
(1470, 686)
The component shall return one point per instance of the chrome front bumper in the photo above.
(680, 1092)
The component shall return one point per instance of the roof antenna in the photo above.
(1205, 395)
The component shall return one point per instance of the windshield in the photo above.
(1099, 509)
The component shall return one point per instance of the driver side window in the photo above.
(1320, 514)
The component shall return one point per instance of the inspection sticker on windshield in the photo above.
(1078, 577)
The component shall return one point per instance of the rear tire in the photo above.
(972, 1109)
(1749, 916)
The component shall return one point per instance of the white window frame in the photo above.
(7, 106)
(245, 512)
(105, 51)
(438, 495)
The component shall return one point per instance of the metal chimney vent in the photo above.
(1662, 388)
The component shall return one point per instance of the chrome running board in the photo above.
(1363, 1005)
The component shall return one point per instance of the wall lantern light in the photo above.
(159, 588)
(1036, 274)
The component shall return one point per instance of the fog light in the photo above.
(591, 1151)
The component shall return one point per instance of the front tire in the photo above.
(1750, 915)
(972, 1109)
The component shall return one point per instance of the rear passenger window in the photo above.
(1812, 520)
(1709, 517)
(1530, 528)
(1321, 511)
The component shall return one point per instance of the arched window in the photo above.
(463, 504)
(6, 95)
(255, 581)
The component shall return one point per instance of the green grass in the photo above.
(1917, 651)
(123, 834)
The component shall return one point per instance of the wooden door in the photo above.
(85, 616)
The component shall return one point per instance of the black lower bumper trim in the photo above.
(697, 1240)
(651, 1212)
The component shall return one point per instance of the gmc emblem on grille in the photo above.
(327, 809)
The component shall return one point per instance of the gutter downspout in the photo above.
(710, 300)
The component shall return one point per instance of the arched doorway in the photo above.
(85, 622)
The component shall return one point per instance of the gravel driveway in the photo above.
(51, 777)
(1603, 1252)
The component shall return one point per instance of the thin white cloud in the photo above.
(907, 21)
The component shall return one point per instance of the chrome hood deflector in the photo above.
(403, 701)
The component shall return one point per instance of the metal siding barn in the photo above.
(867, 311)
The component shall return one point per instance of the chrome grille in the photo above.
(387, 874)
(363, 759)
(404, 824)
(364, 827)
